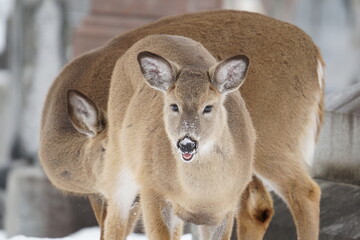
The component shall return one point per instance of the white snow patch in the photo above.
(85, 234)
(190, 127)
(92, 233)
(186, 141)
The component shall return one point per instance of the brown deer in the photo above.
(188, 152)
(283, 94)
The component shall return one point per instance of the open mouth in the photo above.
(187, 156)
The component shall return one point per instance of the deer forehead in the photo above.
(194, 88)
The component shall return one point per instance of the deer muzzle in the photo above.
(187, 146)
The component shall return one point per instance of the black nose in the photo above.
(187, 145)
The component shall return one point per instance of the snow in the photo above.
(84, 234)
(186, 141)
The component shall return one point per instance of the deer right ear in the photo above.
(229, 75)
(83, 113)
(158, 72)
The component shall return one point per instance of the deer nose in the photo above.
(187, 145)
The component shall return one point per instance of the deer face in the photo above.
(194, 113)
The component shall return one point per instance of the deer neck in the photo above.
(209, 169)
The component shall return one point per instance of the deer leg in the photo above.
(174, 224)
(120, 208)
(119, 223)
(115, 224)
(177, 231)
(255, 212)
(159, 220)
(99, 207)
(219, 232)
(291, 181)
(116, 227)
(229, 226)
(134, 215)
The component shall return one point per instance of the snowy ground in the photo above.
(85, 234)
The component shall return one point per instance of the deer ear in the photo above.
(229, 75)
(83, 113)
(158, 72)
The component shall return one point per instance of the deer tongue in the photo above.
(187, 156)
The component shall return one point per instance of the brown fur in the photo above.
(281, 87)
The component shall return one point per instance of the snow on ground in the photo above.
(84, 234)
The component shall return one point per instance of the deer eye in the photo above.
(208, 109)
(174, 107)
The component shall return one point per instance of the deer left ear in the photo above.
(229, 75)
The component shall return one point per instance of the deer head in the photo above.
(194, 112)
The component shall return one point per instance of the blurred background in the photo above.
(37, 37)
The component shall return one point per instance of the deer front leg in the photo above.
(177, 231)
(218, 232)
(174, 224)
(159, 219)
(121, 206)
(118, 227)
(100, 208)
(98, 205)
(134, 215)
(115, 223)
(255, 212)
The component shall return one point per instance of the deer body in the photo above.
(283, 94)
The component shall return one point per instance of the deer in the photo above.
(283, 93)
(189, 152)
